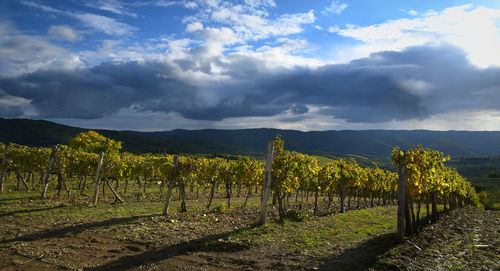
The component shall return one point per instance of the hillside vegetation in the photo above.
(365, 146)
(377, 143)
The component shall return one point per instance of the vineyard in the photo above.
(194, 187)
(292, 173)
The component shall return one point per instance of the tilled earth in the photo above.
(196, 240)
(147, 242)
(462, 239)
(199, 240)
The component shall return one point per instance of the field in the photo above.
(322, 215)
(69, 233)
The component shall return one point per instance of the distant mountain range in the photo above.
(46, 133)
(378, 143)
(367, 142)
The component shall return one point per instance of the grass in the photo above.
(80, 206)
(322, 232)
(322, 160)
(310, 240)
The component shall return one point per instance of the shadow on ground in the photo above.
(28, 211)
(56, 233)
(209, 243)
(361, 257)
(21, 198)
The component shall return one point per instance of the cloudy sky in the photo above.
(291, 64)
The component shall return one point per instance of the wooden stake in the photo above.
(408, 224)
(96, 188)
(167, 200)
(61, 176)
(49, 169)
(4, 162)
(20, 177)
(401, 201)
(182, 197)
(170, 186)
(249, 193)
(84, 183)
(267, 183)
(113, 190)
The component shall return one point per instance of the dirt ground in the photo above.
(34, 238)
(462, 239)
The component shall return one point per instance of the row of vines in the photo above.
(89, 156)
(423, 178)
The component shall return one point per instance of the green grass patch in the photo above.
(322, 160)
(323, 232)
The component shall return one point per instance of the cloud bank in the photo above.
(416, 83)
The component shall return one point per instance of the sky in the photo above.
(293, 64)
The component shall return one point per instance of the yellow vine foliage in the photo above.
(93, 142)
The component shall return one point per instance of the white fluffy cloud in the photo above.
(249, 20)
(223, 32)
(105, 24)
(471, 28)
(64, 32)
(194, 27)
(336, 7)
(413, 12)
(100, 23)
(21, 54)
(113, 6)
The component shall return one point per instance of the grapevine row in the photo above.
(427, 180)
(292, 172)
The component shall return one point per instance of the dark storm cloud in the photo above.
(100, 91)
(352, 90)
(415, 83)
(11, 111)
(8, 107)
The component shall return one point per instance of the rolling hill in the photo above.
(367, 142)
(45, 133)
(376, 143)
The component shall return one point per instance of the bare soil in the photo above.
(462, 239)
(37, 235)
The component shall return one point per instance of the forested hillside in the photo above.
(252, 141)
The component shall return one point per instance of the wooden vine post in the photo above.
(4, 162)
(96, 187)
(401, 198)
(60, 177)
(170, 185)
(49, 169)
(267, 183)
(117, 197)
(21, 178)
